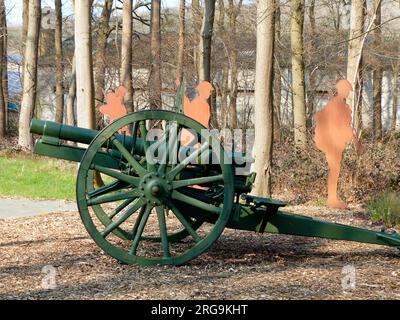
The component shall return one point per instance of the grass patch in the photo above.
(29, 176)
(386, 208)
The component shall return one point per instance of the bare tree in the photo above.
(3, 63)
(296, 37)
(277, 77)
(70, 105)
(233, 12)
(84, 65)
(126, 53)
(377, 74)
(25, 17)
(223, 90)
(155, 48)
(100, 57)
(205, 41)
(395, 91)
(196, 20)
(181, 40)
(354, 60)
(263, 113)
(30, 75)
(59, 62)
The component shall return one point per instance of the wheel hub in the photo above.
(155, 188)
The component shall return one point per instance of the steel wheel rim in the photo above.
(126, 256)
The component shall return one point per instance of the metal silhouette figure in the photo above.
(197, 109)
(115, 107)
(333, 131)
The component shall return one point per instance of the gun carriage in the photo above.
(164, 203)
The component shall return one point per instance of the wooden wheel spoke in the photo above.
(136, 225)
(184, 222)
(163, 231)
(120, 208)
(110, 187)
(123, 218)
(117, 175)
(172, 174)
(196, 181)
(139, 232)
(113, 197)
(164, 160)
(127, 155)
(146, 145)
(134, 137)
(195, 202)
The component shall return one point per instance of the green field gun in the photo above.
(150, 199)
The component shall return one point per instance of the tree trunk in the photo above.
(84, 65)
(155, 46)
(59, 63)
(377, 75)
(25, 13)
(224, 97)
(232, 14)
(205, 41)
(395, 92)
(299, 107)
(3, 72)
(126, 53)
(181, 40)
(70, 105)
(353, 73)
(196, 20)
(100, 58)
(30, 75)
(277, 78)
(311, 68)
(263, 114)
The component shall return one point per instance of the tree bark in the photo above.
(354, 62)
(263, 114)
(395, 93)
(205, 41)
(70, 105)
(30, 75)
(126, 53)
(155, 48)
(299, 108)
(181, 41)
(196, 19)
(84, 65)
(277, 78)
(233, 12)
(311, 68)
(25, 18)
(3, 72)
(100, 58)
(377, 75)
(59, 63)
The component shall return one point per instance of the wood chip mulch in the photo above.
(241, 265)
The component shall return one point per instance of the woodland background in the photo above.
(272, 64)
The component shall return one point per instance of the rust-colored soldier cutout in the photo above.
(115, 107)
(333, 131)
(197, 109)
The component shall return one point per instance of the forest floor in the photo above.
(241, 265)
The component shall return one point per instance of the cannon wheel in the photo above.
(143, 191)
(104, 218)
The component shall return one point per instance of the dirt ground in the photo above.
(241, 265)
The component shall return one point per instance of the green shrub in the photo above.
(386, 208)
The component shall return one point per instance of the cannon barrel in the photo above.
(63, 132)
(53, 130)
